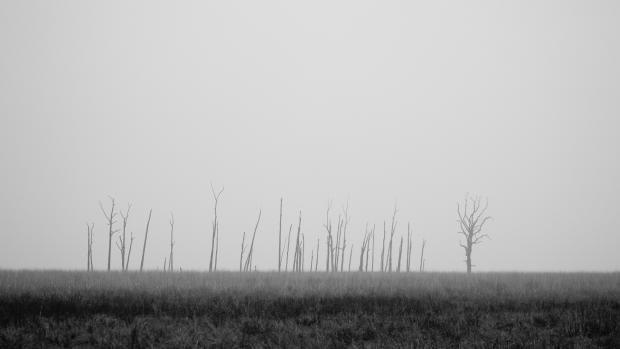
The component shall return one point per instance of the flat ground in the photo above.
(417, 310)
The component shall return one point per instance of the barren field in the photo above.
(265, 309)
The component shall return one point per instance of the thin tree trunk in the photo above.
(241, 257)
(383, 249)
(422, 256)
(171, 259)
(146, 235)
(280, 240)
(288, 244)
(129, 252)
(248, 261)
(400, 253)
(214, 246)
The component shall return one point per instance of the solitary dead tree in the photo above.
(171, 258)
(111, 219)
(215, 231)
(280, 240)
(471, 221)
(146, 235)
(248, 260)
(89, 258)
(316, 262)
(422, 260)
(122, 240)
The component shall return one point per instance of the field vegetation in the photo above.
(318, 309)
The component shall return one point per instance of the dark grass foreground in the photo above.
(188, 310)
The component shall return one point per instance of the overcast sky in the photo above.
(370, 102)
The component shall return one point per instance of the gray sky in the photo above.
(374, 102)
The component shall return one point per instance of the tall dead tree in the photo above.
(345, 224)
(372, 266)
(89, 258)
(215, 230)
(111, 219)
(288, 245)
(409, 245)
(129, 252)
(392, 230)
(298, 252)
(171, 258)
(248, 260)
(364, 249)
(316, 262)
(280, 239)
(146, 235)
(383, 248)
(471, 220)
(422, 256)
(242, 250)
(328, 240)
(372, 233)
(350, 256)
(400, 253)
(122, 240)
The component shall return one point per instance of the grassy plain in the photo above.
(311, 310)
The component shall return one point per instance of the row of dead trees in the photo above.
(336, 247)
(471, 218)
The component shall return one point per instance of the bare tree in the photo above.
(288, 244)
(409, 245)
(316, 262)
(248, 260)
(364, 248)
(122, 240)
(383, 248)
(422, 260)
(350, 256)
(392, 230)
(372, 267)
(298, 257)
(215, 230)
(471, 221)
(111, 219)
(89, 258)
(328, 240)
(346, 220)
(171, 258)
(400, 253)
(280, 239)
(242, 250)
(129, 252)
(146, 235)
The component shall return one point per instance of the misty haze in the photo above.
(283, 174)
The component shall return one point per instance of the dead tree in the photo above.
(215, 231)
(422, 256)
(392, 230)
(297, 258)
(288, 245)
(311, 259)
(409, 245)
(345, 224)
(316, 263)
(350, 256)
(400, 253)
(383, 248)
(328, 240)
(129, 252)
(368, 249)
(471, 221)
(280, 240)
(146, 235)
(248, 260)
(111, 219)
(121, 243)
(372, 267)
(242, 250)
(89, 258)
(171, 258)
(364, 249)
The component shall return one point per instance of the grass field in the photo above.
(418, 310)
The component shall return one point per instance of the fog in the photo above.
(374, 103)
